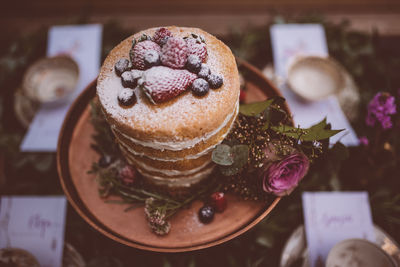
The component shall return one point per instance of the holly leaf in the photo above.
(222, 155)
(256, 108)
(314, 133)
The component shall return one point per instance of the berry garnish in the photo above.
(136, 74)
(215, 81)
(126, 97)
(161, 83)
(128, 80)
(164, 41)
(105, 161)
(193, 63)
(196, 46)
(206, 214)
(160, 34)
(174, 53)
(204, 71)
(138, 53)
(121, 66)
(151, 58)
(200, 87)
(218, 201)
(127, 174)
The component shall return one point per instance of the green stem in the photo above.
(140, 191)
(131, 196)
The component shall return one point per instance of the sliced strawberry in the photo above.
(160, 34)
(197, 47)
(218, 201)
(138, 53)
(161, 83)
(174, 53)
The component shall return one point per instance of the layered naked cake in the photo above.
(171, 95)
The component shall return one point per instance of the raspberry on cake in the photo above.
(165, 123)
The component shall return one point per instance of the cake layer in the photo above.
(187, 144)
(183, 118)
(198, 150)
(181, 165)
(182, 181)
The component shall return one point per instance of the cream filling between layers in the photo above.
(168, 172)
(185, 181)
(195, 156)
(176, 146)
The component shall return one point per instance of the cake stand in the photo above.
(74, 159)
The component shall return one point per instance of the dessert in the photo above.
(170, 95)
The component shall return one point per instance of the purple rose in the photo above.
(282, 176)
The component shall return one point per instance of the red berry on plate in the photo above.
(160, 34)
(174, 53)
(128, 174)
(139, 51)
(161, 83)
(218, 201)
(242, 96)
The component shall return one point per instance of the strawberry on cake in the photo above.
(171, 95)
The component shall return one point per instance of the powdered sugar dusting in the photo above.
(184, 114)
(125, 94)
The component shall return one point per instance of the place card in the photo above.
(289, 41)
(35, 224)
(330, 217)
(83, 44)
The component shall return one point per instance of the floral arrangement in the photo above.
(263, 155)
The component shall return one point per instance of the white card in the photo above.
(289, 41)
(330, 217)
(83, 44)
(35, 224)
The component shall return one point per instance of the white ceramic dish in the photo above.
(51, 80)
(315, 78)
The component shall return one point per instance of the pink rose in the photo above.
(280, 177)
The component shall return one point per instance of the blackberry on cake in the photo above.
(193, 63)
(200, 87)
(215, 81)
(121, 66)
(204, 71)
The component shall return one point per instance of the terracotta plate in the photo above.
(74, 159)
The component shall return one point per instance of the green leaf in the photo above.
(314, 133)
(319, 126)
(240, 155)
(256, 108)
(222, 155)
